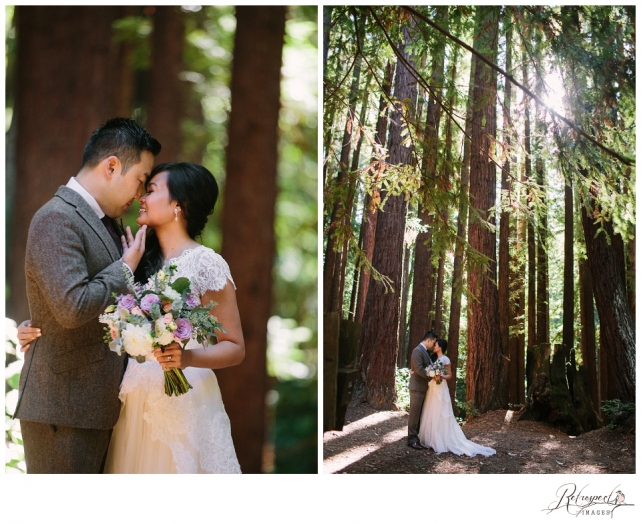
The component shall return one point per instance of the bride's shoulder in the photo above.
(445, 360)
(210, 270)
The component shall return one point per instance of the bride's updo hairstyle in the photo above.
(195, 190)
(442, 344)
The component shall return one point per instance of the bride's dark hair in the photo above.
(195, 190)
(442, 344)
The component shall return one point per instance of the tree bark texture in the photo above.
(401, 360)
(380, 319)
(370, 211)
(340, 211)
(588, 335)
(531, 249)
(248, 215)
(484, 342)
(617, 328)
(568, 277)
(506, 313)
(167, 92)
(424, 273)
(461, 237)
(64, 90)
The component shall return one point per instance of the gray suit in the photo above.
(70, 380)
(418, 387)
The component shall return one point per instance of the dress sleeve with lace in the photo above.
(206, 269)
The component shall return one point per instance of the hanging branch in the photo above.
(624, 160)
(448, 110)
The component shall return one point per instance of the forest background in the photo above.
(68, 69)
(479, 180)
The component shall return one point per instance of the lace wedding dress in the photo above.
(190, 433)
(439, 429)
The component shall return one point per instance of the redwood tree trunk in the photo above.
(166, 106)
(333, 257)
(380, 320)
(64, 90)
(459, 247)
(484, 342)
(617, 328)
(588, 335)
(248, 216)
(423, 289)
(370, 211)
(568, 279)
(506, 313)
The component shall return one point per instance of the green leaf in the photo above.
(14, 381)
(180, 284)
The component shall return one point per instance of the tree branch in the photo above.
(624, 160)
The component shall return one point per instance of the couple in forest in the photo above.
(84, 408)
(431, 422)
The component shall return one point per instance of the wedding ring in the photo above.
(169, 358)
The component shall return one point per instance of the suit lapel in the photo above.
(89, 216)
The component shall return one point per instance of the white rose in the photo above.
(137, 340)
(163, 335)
(431, 373)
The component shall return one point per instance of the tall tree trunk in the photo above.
(424, 274)
(484, 342)
(531, 246)
(64, 90)
(342, 269)
(588, 335)
(248, 221)
(401, 359)
(370, 211)
(617, 328)
(332, 266)
(568, 280)
(166, 91)
(380, 323)
(461, 237)
(542, 291)
(506, 313)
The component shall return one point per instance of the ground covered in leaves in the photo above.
(376, 442)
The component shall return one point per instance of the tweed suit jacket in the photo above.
(70, 377)
(420, 360)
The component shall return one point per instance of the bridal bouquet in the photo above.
(155, 315)
(436, 371)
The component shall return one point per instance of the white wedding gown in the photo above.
(190, 433)
(439, 429)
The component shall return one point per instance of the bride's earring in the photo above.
(176, 213)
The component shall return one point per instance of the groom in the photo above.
(74, 261)
(418, 386)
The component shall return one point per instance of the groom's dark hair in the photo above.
(429, 334)
(120, 137)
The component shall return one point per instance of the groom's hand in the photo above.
(133, 248)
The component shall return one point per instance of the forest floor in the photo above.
(376, 442)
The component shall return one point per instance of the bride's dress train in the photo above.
(190, 433)
(439, 429)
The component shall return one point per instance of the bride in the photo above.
(191, 433)
(439, 429)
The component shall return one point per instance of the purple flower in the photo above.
(192, 301)
(126, 301)
(147, 301)
(184, 329)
